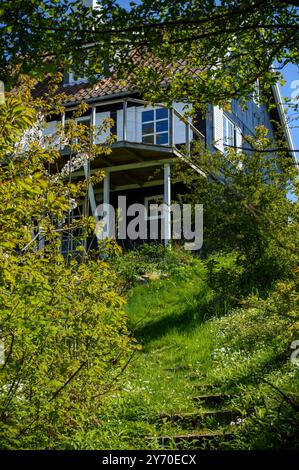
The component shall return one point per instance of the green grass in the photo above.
(171, 319)
(168, 317)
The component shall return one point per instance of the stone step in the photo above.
(195, 376)
(198, 438)
(176, 369)
(212, 399)
(206, 386)
(195, 418)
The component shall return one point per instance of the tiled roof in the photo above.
(104, 87)
(85, 91)
(107, 86)
(112, 85)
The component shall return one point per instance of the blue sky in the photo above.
(125, 3)
(291, 88)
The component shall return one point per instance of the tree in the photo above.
(246, 209)
(26, 36)
(205, 51)
(64, 340)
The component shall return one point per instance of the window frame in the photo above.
(154, 122)
(226, 121)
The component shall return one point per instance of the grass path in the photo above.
(168, 317)
(178, 393)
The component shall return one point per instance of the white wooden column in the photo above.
(167, 204)
(93, 122)
(106, 201)
(125, 116)
(62, 125)
(171, 127)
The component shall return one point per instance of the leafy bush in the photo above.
(151, 261)
(63, 335)
(270, 420)
(66, 342)
(225, 273)
(253, 358)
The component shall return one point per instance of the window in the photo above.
(228, 131)
(76, 80)
(155, 126)
(72, 78)
(225, 132)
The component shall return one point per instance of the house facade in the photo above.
(149, 139)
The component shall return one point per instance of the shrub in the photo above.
(253, 357)
(225, 273)
(151, 261)
(66, 342)
(63, 335)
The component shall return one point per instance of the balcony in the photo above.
(145, 134)
(148, 139)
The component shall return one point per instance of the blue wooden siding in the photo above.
(246, 120)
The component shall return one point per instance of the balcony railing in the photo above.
(173, 131)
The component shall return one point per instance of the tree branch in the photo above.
(284, 396)
(69, 380)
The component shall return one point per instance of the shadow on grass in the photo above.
(184, 322)
(273, 362)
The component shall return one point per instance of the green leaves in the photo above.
(15, 117)
(209, 52)
(62, 321)
(247, 210)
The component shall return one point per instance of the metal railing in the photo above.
(191, 132)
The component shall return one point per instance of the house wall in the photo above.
(246, 119)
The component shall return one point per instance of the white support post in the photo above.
(93, 123)
(106, 201)
(91, 195)
(167, 204)
(125, 107)
(171, 127)
(62, 125)
(86, 166)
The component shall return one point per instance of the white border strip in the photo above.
(285, 124)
